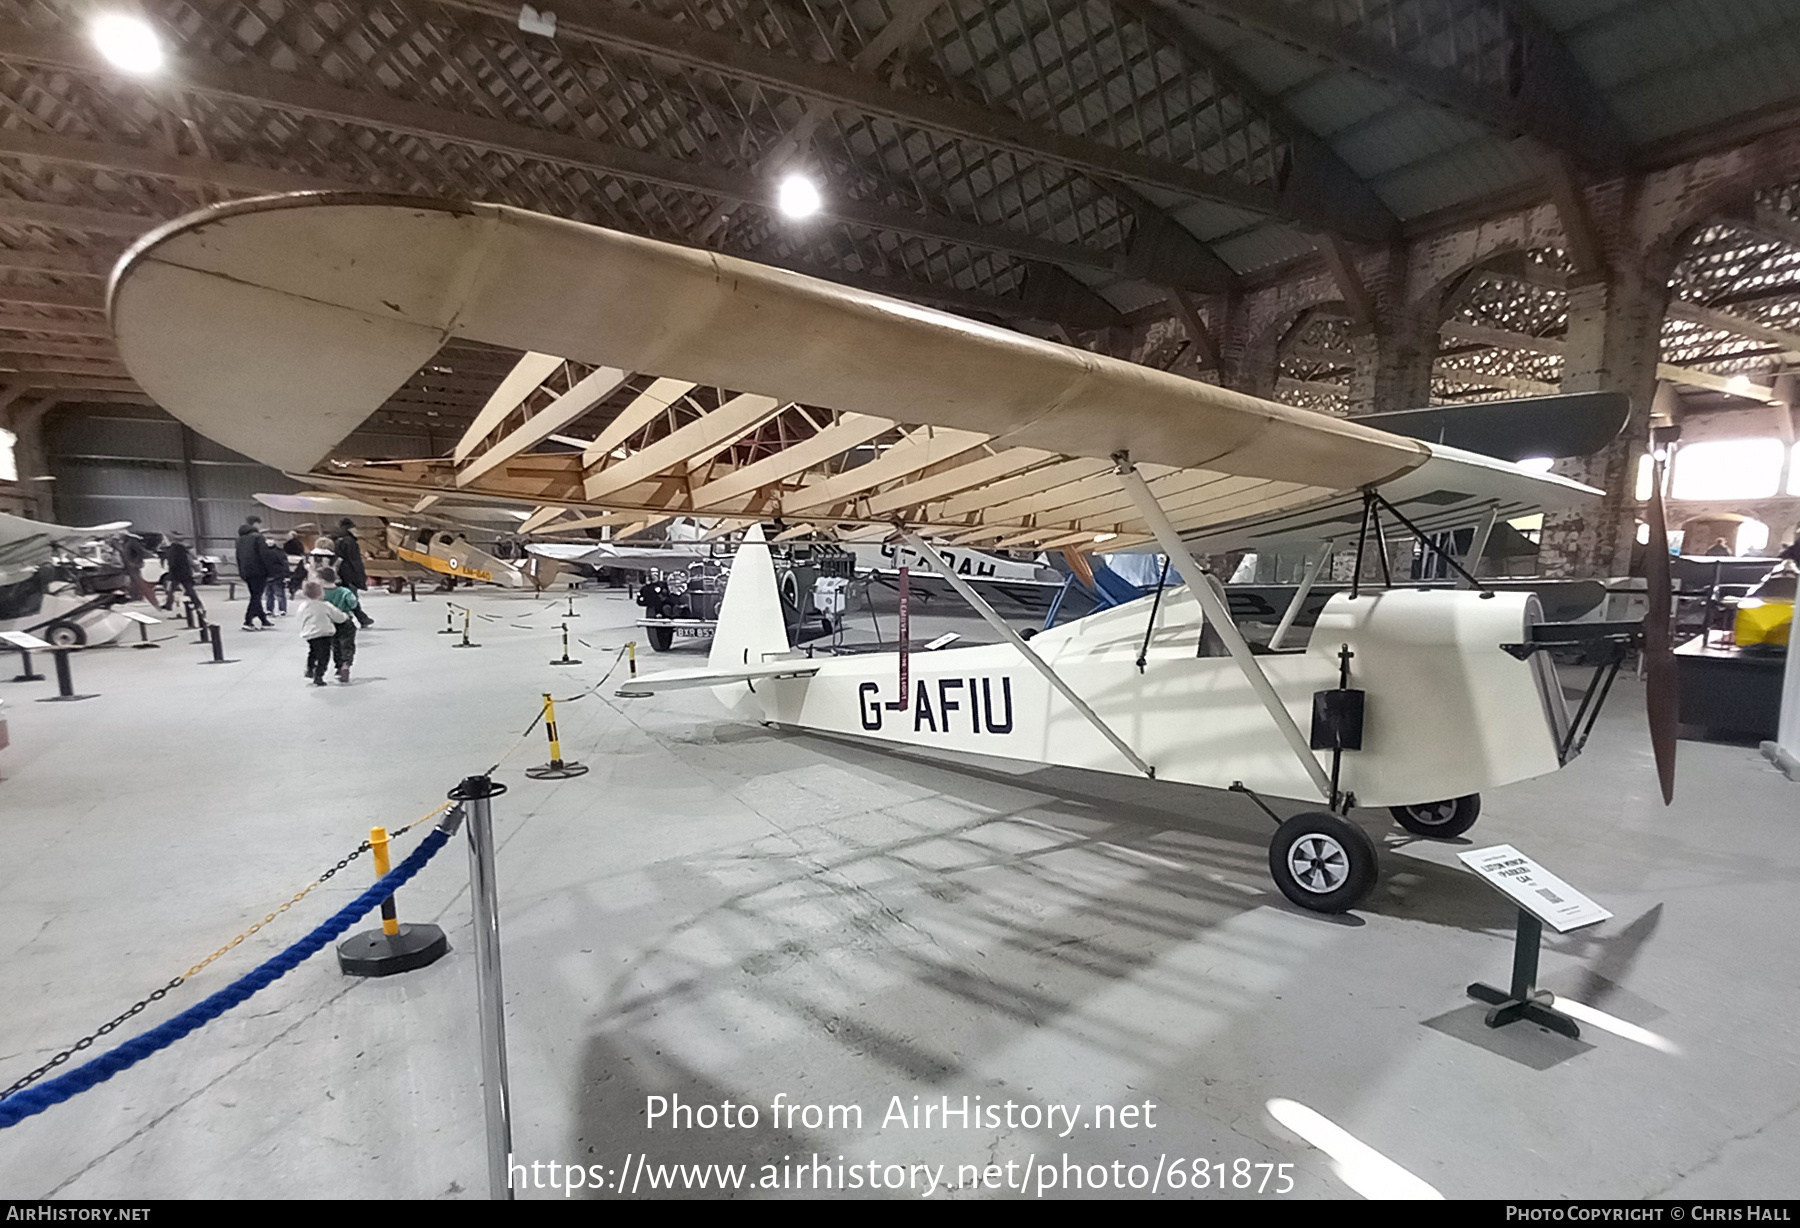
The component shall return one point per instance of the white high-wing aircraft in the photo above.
(274, 326)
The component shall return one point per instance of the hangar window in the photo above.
(1728, 469)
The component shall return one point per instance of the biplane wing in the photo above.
(975, 435)
(19, 530)
(327, 504)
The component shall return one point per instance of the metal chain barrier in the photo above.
(23, 1099)
(142, 1004)
(33, 1100)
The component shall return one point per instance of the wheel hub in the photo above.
(1318, 863)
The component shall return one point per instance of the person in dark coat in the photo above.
(295, 549)
(275, 560)
(134, 554)
(178, 572)
(351, 572)
(253, 568)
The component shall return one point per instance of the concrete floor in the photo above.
(733, 913)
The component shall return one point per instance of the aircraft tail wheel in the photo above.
(1322, 863)
(1440, 820)
(661, 637)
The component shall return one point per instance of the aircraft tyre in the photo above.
(1439, 820)
(1323, 863)
(65, 635)
(661, 638)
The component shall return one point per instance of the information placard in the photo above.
(134, 616)
(1535, 889)
(25, 640)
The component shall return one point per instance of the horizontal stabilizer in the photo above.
(674, 680)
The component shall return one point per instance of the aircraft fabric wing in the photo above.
(626, 558)
(688, 364)
(18, 529)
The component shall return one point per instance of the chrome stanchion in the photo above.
(475, 792)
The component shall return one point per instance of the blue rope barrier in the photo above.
(34, 1100)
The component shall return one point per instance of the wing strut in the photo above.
(1042, 666)
(1300, 595)
(1220, 617)
(1478, 546)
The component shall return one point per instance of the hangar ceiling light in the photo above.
(798, 197)
(127, 42)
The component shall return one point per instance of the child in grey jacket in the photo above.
(318, 626)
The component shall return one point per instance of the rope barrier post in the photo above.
(572, 613)
(466, 642)
(187, 611)
(556, 769)
(631, 652)
(394, 947)
(565, 659)
(65, 681)
(231, 590)
(449, 619)
(218, 647)
(200, 626)
(412, 586)
(477, 792)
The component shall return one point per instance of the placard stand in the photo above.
(1541, 897)
(1525, 1000)
(24, 644)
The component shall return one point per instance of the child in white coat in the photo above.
(318, 627)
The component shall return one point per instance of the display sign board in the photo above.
(135, 617)
(21, 639)
(1534, 888)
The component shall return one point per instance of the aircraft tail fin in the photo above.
(751, 626)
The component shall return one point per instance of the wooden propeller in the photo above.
(1662, 696)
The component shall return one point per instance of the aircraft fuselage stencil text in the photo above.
(946, 705)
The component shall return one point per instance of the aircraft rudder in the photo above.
(751, 624)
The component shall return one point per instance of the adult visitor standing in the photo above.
(178, 572)
(253, 569)
(350, 570)
(134, 554)
(275, 591)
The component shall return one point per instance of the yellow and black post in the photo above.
(466, 641)
(449, 619)
(565, 659)
(557, 768)
(631, 652)
(394, 947)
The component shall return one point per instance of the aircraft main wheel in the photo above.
(1439, 820)
(661, 638)
(1322, 863)
(65, 635)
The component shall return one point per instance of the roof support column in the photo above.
(1392, 341)
(1613, 343)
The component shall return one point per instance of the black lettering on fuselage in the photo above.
(922, 709)
(972, 695)
(987, 705)
(947, 705)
